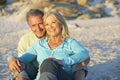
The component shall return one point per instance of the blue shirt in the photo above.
(70, 52)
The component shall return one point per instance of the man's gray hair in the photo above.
(34, 12)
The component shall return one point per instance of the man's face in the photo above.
(36, 25)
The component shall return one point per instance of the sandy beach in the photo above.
(100, 36)
(94, 23)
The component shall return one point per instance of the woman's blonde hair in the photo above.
(59, 17)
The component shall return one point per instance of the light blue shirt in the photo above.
(70, 52)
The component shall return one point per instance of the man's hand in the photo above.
(14, 65)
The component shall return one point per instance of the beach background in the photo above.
(95, 23)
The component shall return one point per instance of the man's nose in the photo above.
(39, 26)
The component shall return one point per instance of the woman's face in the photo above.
(53, 26)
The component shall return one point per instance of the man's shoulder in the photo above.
(29, 34)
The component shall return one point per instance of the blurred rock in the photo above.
(85, 16)
(3, 12)
(21, 14)
(95, 2)
(113, 9)
(64, 1)
(67, 12)
(94, 9)
(82, 2)
(3, 2)
(21, 0)
(70, 9)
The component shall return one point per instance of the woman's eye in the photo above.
(54, 22)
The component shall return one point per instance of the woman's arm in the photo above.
(79, 53)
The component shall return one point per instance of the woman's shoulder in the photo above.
(42, 41)
(39, 42)
(71, 40)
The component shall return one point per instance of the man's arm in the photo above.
(14, 64)
(22, 46)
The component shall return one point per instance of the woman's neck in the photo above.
(55, 42)
(56, 39)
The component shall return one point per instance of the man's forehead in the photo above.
(35, 16)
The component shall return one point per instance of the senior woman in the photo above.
(57, 52)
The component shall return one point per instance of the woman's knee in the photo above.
(79, 75)
(49, 65)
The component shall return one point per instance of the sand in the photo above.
(100, 36)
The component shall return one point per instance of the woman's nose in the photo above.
(51, 26)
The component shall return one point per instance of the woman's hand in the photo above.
(84, 63)
(14, 65)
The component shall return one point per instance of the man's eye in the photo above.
(33, 25)
(46, 24)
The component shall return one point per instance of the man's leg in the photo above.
(51, 70)
(31, 71)
(21, 76)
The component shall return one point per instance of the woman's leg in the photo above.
(80, 72)
(79, 75)
(51, 70)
